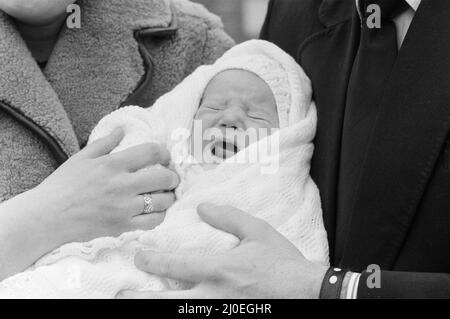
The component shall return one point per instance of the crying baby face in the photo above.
(236, 100)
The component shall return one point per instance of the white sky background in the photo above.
(254, 12)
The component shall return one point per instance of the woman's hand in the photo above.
(265, 264)
(101, 195)
(93, 194)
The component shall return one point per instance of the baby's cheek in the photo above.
(205, 120)
(259, 125)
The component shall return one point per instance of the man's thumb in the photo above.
(232, 220)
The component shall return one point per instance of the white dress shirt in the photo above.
(403, 21)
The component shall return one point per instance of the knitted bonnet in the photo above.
(275, 67)
(289, 84)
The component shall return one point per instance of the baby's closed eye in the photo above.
(257, 116)
(211, 106)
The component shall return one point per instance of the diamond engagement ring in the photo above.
(148, 204)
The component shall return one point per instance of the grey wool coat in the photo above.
(126, 52)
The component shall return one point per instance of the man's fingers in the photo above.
(141, 156)
(189, 268)
(233, 221)
(102, 146)
(154, 180)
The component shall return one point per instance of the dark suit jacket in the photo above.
(401, 213)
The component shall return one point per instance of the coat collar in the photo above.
(90, 72)
(332, 12)
(25, 90)
(414, 4)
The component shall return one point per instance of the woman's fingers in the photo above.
(161, 202)
(147, 221)
(154, 180)
(141, 156)
(102, 146)
(189, 268)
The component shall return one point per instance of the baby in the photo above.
(240, 133)
(237, 100)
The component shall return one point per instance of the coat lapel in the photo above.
(26, 95)
(327, 58)
(95, 68)
(411, 128)
(91, 71)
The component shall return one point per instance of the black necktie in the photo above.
(373, 64)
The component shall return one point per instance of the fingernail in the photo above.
(118, 131)
(142, 254)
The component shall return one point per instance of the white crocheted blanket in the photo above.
(277, 188)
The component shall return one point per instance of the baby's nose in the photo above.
(232, 118)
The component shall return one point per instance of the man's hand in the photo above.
(264, 265)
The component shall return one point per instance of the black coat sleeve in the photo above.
(406, 285)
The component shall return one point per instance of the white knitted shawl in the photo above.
(284, 195)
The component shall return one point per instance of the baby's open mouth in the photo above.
(224, 149)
